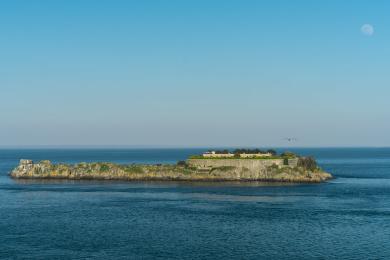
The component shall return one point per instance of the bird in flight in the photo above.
(290, 139)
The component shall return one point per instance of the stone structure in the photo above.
(195, 170)
(255, 155)
(25, 165)
(251, 164)
(213, 154)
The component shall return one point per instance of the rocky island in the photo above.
(240, 165)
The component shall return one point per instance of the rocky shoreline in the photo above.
(27, 169)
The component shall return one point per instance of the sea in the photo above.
(347, 217)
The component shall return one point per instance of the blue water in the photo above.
(346, 218)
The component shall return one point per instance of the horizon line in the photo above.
(175, 147)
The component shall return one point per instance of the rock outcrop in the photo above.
(185, 172)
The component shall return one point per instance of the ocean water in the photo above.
(345, 218)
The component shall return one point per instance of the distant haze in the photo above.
(194, 73)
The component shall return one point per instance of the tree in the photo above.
(307, 163)
(288, 155)
(271, 151)
(182, 163)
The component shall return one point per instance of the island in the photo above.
(238, 165)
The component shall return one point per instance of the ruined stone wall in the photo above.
(293, 162)
(251, 164)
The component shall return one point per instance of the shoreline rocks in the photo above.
(27, 169)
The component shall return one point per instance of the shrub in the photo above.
(307, 163)
(272, 151)
(222, 152)
(197, 157)
(104, 168)
(285, 161)
(182, 163)
(134, 169)
(288, 155)
(248, 151)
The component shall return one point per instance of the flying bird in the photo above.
(290, 139)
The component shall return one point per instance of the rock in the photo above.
(25, 162)
(45, 162)
(111, 171)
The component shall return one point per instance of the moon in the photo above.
(367, 29)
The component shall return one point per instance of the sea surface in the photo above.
(345, 218)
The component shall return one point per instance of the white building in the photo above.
(213, 154)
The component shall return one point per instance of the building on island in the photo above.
(255, 155)
(214, 154)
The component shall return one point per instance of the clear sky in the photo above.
(195, 73)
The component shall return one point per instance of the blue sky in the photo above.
(194, 73)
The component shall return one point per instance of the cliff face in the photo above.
(110, 171)
(251, 164)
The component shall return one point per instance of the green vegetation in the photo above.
(104, 167)
(187, 171)
(237, 154)
(182, 163)
(197, 157)
(133, 169)
(289, 155)
(285, 161)
(234, 158)
(247, 151)
(254, 151)
(308, 163)
(306, 171)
